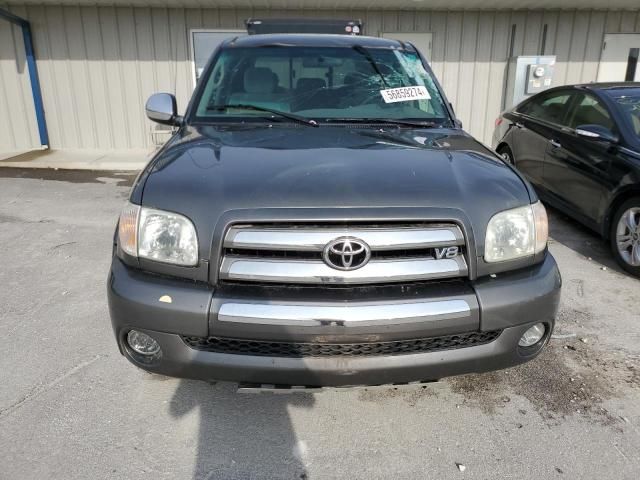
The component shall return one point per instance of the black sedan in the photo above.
(580, 147)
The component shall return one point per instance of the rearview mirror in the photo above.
(597, 133)
(162, 108)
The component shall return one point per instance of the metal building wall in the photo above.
(18, 128)
(98, 64)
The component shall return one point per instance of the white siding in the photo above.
(18, 128)
(99, 64)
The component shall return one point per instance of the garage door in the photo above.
(619, 60)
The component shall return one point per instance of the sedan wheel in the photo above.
(625, 236)
(628, 236)
(505, 153)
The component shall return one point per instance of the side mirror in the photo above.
(596, 133)
(162, 108)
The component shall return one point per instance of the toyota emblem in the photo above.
(346, 253)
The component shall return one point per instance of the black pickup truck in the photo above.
(320, 218)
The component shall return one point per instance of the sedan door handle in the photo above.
(555, 144)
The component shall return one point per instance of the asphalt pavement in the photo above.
(72, 408)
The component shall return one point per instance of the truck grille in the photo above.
(302, 254)
(301, 350)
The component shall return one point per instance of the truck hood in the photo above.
(237, 173)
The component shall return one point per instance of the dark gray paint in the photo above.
(182, 361)
(224, 173)
(220, 175)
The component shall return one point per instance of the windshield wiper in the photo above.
(366, 54)
(392, 121)
(290, 116)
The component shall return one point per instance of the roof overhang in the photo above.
(353, 5)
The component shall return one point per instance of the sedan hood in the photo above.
(238, 173)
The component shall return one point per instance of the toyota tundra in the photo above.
(320, 218)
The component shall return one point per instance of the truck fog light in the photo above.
(533, 335)
(142, 343)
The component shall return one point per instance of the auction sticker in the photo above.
(405, 94)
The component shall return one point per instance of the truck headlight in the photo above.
(516, 233)
(158, 235)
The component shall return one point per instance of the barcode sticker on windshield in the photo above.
(405, 94)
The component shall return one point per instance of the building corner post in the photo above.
(35, 85)
(36, 90)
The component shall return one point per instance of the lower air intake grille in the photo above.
(301, 350)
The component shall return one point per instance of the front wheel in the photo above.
(506, 153)
(625, 236)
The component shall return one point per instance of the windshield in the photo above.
(320, 83)
(629, 105)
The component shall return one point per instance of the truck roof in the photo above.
(609, 85)
(313, 40)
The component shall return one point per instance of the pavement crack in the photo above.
(40, 389)
(620, 452)
(21, 220)
(63, 245)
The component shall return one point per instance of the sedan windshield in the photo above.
(629, 105)
(322, 84)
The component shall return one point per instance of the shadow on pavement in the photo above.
(242, 436)
(580, 239)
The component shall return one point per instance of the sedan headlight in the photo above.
(158, 235)
(516, 233)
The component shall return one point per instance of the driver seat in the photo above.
(260, 89)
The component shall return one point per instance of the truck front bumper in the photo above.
(509, 303)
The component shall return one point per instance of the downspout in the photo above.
(33, 73)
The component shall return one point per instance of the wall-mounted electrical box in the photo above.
(527, 76)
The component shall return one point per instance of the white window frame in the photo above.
(427, 54)
(192, 46)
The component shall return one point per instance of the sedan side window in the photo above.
(590, 111)
(549, 108)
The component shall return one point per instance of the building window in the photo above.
(632, 64)
(203, 44)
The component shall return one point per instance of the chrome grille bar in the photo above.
(314, 238)
(352, 315)
(315, 271)
(297, 253)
